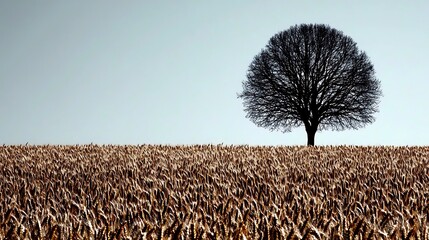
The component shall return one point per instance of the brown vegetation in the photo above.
(213, 192)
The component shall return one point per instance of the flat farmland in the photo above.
(213, 192)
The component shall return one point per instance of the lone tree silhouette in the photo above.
(311, 75)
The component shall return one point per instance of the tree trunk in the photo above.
(310, 136)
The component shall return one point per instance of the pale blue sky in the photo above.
(168, 72)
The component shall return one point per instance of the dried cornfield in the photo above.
(213, 192)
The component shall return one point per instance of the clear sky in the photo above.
(168, 72)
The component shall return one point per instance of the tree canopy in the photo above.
(311, 75)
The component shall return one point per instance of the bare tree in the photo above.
(311, 75)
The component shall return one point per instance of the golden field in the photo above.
(213, 192)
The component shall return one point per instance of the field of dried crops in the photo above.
(213, 192)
